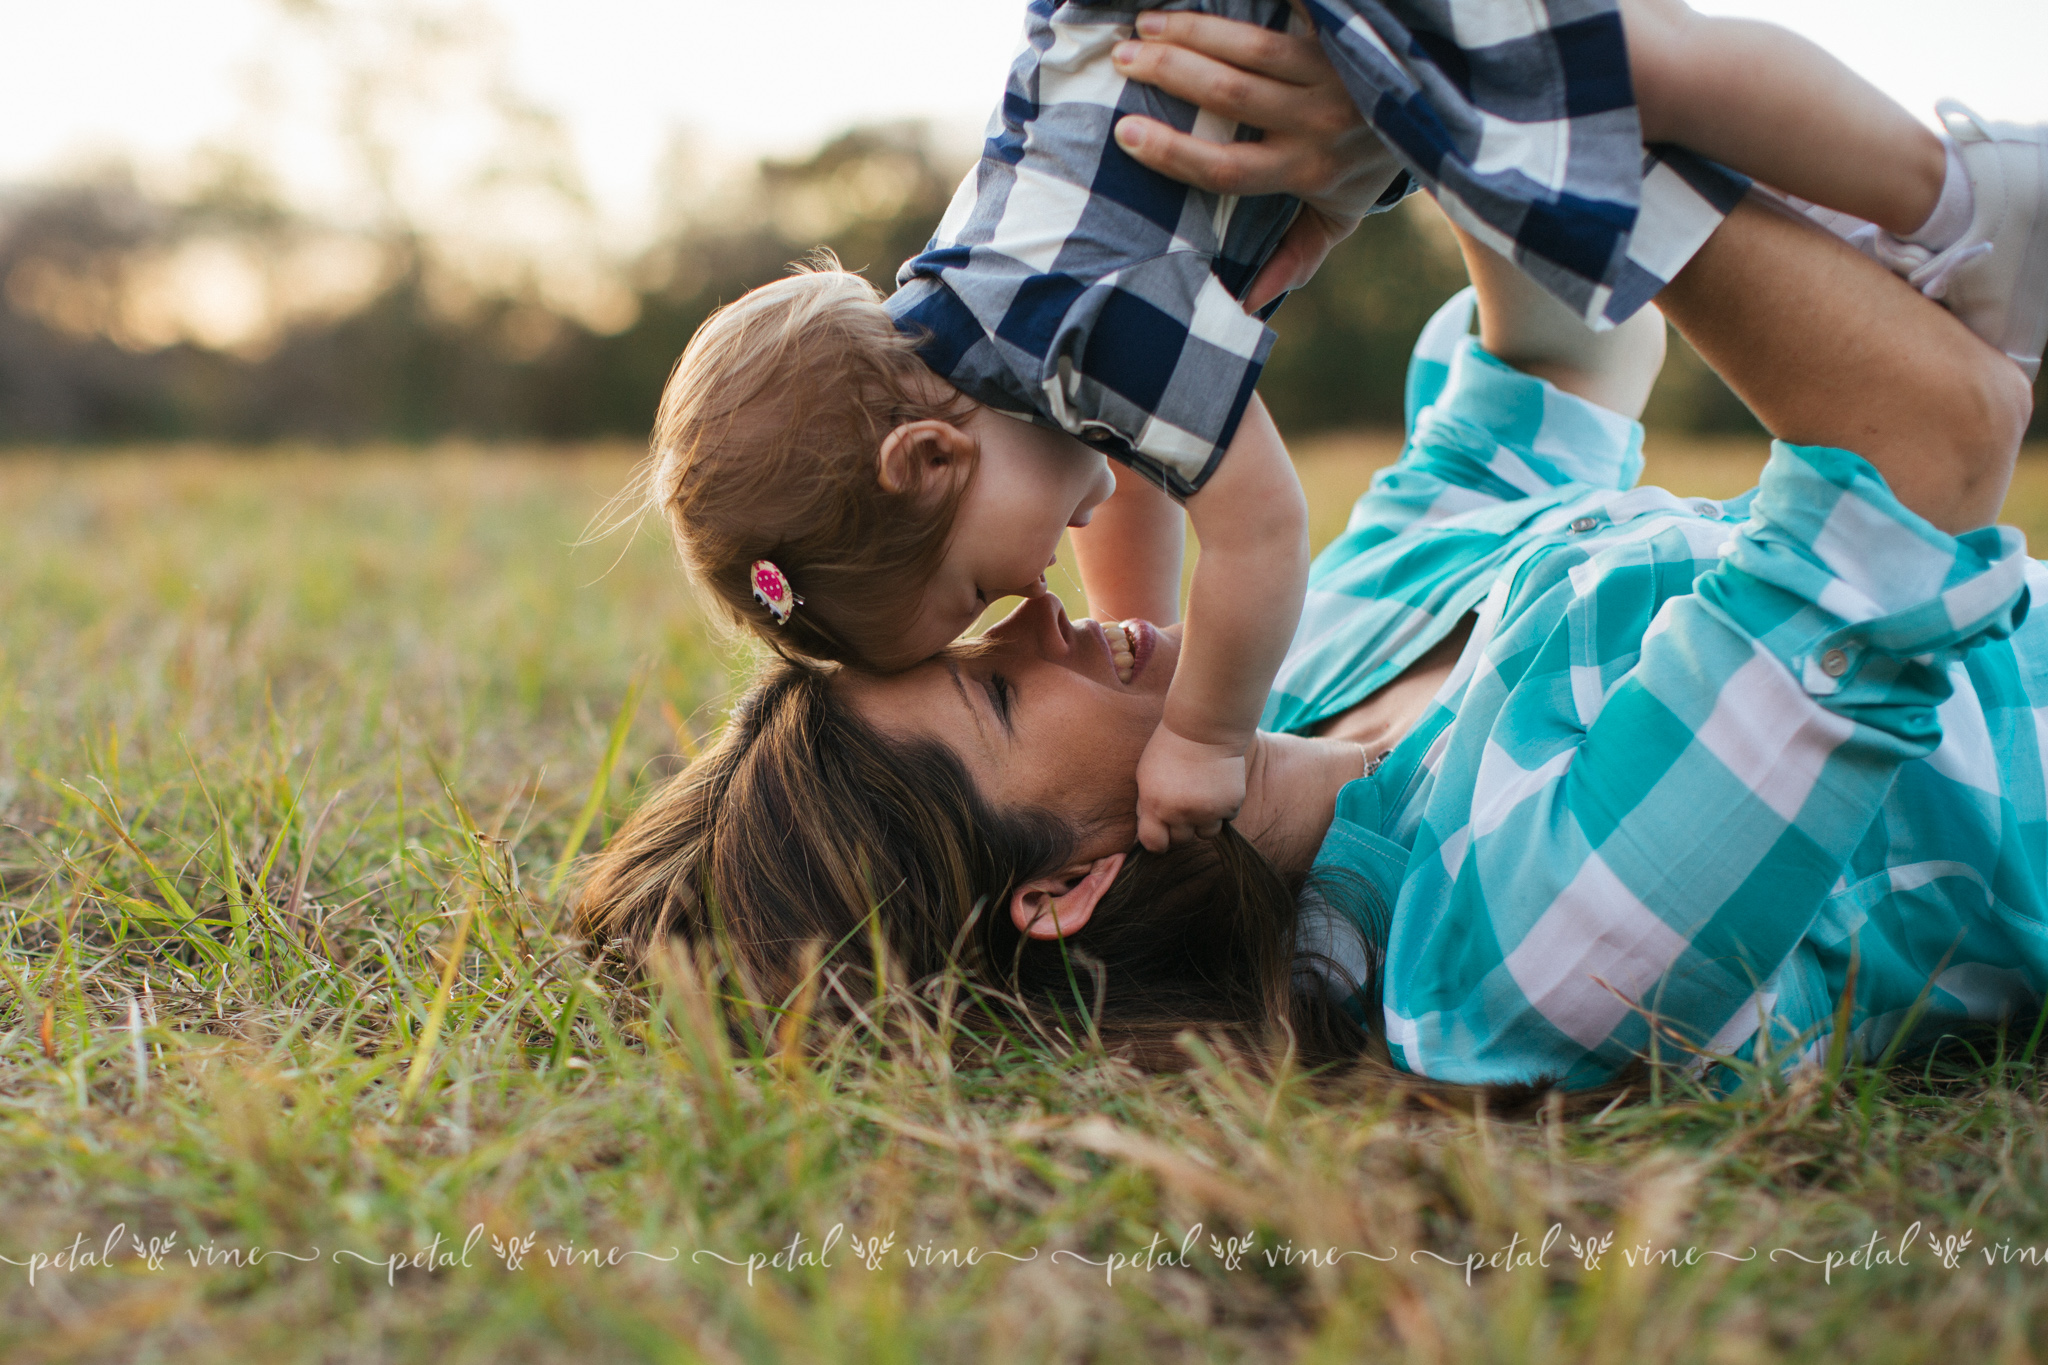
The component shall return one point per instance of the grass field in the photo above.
(298, 1063)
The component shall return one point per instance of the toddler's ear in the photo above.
(1059, 905)
(924, 457)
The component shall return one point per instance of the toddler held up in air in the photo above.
(856, 479)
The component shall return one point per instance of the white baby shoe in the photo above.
(1995, 278)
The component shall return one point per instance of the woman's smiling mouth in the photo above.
(1130, 644)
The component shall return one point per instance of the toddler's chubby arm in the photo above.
(1130, 553)
(1252, 521)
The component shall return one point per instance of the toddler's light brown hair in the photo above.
(765, 448)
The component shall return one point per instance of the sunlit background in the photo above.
(343, 219)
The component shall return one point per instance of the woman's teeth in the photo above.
(1120, 651)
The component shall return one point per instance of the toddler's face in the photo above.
(1028, 486)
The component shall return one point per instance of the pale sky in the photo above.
(153, 79)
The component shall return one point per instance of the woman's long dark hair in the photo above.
(804, 822)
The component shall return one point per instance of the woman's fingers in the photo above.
(1219, 167)
(1316, 147)
(1283, 56)
(1217, 86)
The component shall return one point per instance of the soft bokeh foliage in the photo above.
(225, 316)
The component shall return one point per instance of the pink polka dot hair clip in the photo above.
(771, 590)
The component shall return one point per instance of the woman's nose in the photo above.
(1040, 622)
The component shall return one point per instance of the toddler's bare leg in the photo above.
(1130, 552)
(1829, 348)
(1523, 324)
(1775, 106)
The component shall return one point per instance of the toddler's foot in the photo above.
(1995, 277)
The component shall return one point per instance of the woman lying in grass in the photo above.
(1560, 772)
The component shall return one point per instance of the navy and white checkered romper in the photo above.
(1070, 285)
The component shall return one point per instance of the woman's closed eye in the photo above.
(1000, 696)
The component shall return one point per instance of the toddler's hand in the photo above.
(1186, 790)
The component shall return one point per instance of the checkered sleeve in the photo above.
(1070, 285)
(1663, 762)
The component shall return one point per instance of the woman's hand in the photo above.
(1317, 147)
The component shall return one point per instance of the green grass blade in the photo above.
(430, 1032)
(614, 746)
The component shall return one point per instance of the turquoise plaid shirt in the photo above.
(1696, 760)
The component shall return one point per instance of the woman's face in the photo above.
(1043, 719)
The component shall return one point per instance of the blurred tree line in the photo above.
(92, 349)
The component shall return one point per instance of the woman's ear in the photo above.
(924, 457)
(1059, 905)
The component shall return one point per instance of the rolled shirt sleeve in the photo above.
(1494, 457)
(1861, 601)
(1661, 763)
